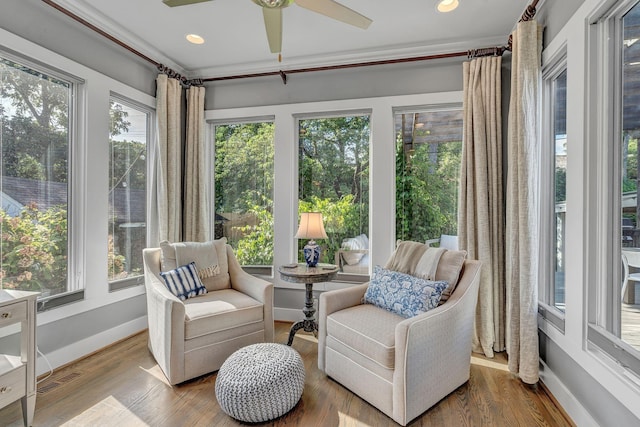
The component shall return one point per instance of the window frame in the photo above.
(604, 104)
(77, 93)
(119, 284)
(262, 271)
(554, 67)
(297, 118)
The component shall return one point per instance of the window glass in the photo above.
(559, 89)
(629, 303)
(244, 190)
(333, 173)
(128, 141)
(428, 153)
(35, 109)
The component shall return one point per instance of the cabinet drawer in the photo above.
(13, 313)
(13, 386)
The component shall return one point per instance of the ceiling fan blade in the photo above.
(273, 25)
(336, 11)
(174, 3)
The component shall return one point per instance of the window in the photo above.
(614, 312)
(555, 184)
(128, 142)
(244, 191)
(333, 178)
(428, 153)
(36, 113)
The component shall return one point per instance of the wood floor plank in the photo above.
(122, 386)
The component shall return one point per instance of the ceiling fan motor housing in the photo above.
(273, 4)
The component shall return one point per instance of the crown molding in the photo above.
(342, 58)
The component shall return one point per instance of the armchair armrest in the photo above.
(165, 312)
(437, 345)
(333, 301)
(255, 287)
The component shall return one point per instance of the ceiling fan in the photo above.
(272, 13)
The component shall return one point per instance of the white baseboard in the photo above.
(566, 399)
(287, 314)
(82, 348)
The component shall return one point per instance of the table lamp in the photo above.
(311, 227)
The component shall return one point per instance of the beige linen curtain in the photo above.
(522, 225)
(480, 214)
(195, 188)
(167, 177)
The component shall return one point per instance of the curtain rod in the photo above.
(527, 15)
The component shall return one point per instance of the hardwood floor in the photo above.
(122, 386)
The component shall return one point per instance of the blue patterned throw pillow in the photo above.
(402, 293)
(184, 282)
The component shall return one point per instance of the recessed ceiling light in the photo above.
(195, 39)
(447, 5)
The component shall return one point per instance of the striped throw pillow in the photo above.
(184, 282)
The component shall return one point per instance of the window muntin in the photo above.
(128, 151)
(35, 140)
(428, 154)
(244, 155)
(333, 178)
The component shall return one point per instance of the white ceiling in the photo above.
(236, 41)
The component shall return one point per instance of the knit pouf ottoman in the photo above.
(260, 382)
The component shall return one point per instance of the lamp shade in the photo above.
(311, 226)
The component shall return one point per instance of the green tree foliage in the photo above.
(244, 166)
(39, 121)
(427, 190)
(244, 156)
(34, 250)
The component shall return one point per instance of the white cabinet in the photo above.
(18, 373)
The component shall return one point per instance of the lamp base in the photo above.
(311, 253)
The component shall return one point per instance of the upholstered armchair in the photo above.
(402, 366)
(193, 337)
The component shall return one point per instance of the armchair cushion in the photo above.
(218, 311)
(401, 293)
(184, 282)
(368, 332)
(210, 259)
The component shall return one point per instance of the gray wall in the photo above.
(553, 14)
(365, 82)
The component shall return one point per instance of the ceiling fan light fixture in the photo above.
(445, 6)
(195, 39)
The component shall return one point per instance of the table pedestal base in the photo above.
(309, 323)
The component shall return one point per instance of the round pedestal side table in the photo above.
(301, 273)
